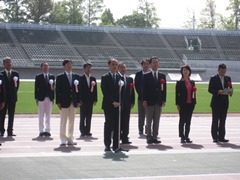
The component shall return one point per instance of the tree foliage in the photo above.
(208, 15)
(93, 9)
(134, 20)
(107, 18)
(14, 11)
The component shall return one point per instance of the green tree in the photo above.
(39, 9)
(107, 18)
(75, 11)
(149, 11)
(14, 11)
(93, 9)
(191, 20)
(208, 15)
(60, 12)
(134, 20)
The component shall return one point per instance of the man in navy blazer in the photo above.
(219, 103)
(154, 98)
(128, 101)
(88, 88)
(110, 104)
(44, 96)
(67, 100)
(11, 80)
(138, 84)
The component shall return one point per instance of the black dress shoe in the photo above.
(140, 132)
(183, 141)
(107, 149)
(11, 134)
(1, 134)
(223, 140)
(89, 134)
(156, 141)
(82, 135)
(188, 140)
(41, 134)
(149, 141)
(215, 141)
(47, 134)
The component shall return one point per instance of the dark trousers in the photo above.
(85, 118)
(185, 113)
(125, 117)
(219, 115)
(10, 109)
(111, 125)
(141, 115)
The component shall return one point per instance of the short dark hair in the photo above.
(112, 59)
(186, 67)
(144, 60)
(44, 63)
(66, 61)
(222, 66)
(154, 57)
(6, 59)
(87, 64)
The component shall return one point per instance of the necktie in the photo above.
(114, 79)
(70, 79)
(9, 75)
(155, 77)
(46, 79)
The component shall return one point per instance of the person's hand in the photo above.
(2, 106)
(37, 102)
(78, 104)
(145, 104)
(230, 93)
(94, 103)
(132, 105)
(116, 104)
(163, 104)
(178, 108)
(220, 92)
(59, 106)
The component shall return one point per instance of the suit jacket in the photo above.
(181, 93)
(128, 94)
(139, 83)
(152, 92)
(214, 86)
(86, 94)
(11, 89)
(110, 90)
(2, 90)
(43, 89)
(66, 93)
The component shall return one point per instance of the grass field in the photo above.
(26, 102)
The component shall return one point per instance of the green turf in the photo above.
(26, 102)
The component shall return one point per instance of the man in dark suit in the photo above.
(2, 94)
(218, 87)
(110, 104)
(128, 101)
(67, 100)
(44, 96)
(138, 84)
(88, 88)
(11, 79)
(154, 98)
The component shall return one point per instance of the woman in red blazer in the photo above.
(185, 101)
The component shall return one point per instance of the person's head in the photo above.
(122, 68)
(113, 65)
(44, 67)
(186, 71)
(67, 65)
(222, 69)
(154, 63)
(7, 63)
(87, 67)
(145, 64)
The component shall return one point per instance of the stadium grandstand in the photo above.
(30, 44)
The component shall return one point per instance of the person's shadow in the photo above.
(129, 146)
(192, 146)
(7, 138)
(120, 156)
(67, 148)
(42, 139)
(228, 145)
(87, 138)
(159, 147)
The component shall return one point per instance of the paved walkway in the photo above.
(27, 156)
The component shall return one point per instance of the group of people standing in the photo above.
(71, 91)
